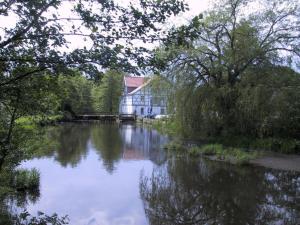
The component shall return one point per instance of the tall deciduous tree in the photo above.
(232, 37)
(106, 96)
(229, 49)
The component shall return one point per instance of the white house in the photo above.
(140, 99)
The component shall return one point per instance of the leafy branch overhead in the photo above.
(220, 45)
(39, 37)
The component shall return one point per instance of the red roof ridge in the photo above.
(131, 81)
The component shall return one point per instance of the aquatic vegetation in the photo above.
(215, 152)
(229, 154)
(175, 146)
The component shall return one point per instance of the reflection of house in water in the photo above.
(141, 143)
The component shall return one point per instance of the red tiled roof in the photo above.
(134, 81)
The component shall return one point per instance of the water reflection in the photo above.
(111, 141)
(92, 172)
(108, 143)
(142, 143)
(12, 202)
(72, 144)
(186, 191)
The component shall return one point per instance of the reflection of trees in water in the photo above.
(11, 203)
(107, 141)
(72, 144)
(66, 143)
(187, 192)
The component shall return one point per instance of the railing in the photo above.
(98, 113)
(105, 117)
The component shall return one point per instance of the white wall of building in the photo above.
(141, 104)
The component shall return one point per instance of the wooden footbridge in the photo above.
(105, 117)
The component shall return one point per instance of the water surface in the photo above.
(106, 174)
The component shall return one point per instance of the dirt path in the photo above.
(279, 161)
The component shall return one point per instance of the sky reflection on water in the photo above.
(104, 174)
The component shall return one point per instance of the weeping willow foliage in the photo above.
(264, 103)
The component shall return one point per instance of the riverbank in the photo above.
(217, 152)
(278, 161)
(27, 121)
(272, 153)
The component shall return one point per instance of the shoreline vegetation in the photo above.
(216, 152)
(236, 150)
(41, 120)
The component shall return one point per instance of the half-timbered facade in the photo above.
(140, 99)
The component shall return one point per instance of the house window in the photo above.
(162, 111)
(142, 111)
(142, 98)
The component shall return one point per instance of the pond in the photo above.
(110, 174)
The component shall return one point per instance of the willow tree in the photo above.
(220, 47)
(211, 56)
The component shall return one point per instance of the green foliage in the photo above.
(106, 95)
(277, 144)
(75, 93)
(264, 104)
(32, 54)
(233, 155)
(209, 149)
(226, 73)
(26, 179)
(167, 126)
(28, 122)
(175, 146)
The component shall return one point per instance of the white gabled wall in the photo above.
(126, 106)
(139, 103)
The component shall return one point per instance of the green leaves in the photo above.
(221, 47)
(106, 95)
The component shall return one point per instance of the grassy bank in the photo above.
(215, 152)
(274, 144)
(30, 121)
(219, 152)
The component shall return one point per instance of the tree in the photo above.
(36, 44)
(213, 58)
(36, 40)
(218, 49)
(75, 93)
(34, 94)
(106, 95)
